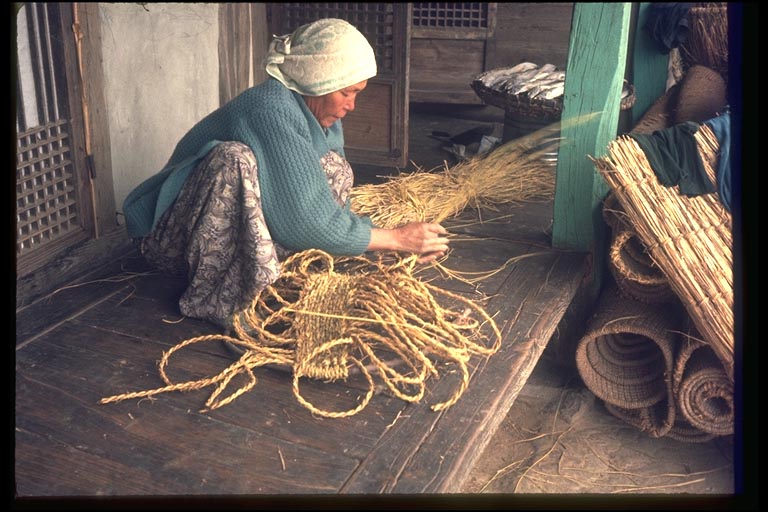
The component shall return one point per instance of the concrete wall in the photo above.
(161, 76)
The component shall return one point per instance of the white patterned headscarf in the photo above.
(321, 57)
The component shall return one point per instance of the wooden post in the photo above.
(649, 73)
(94, 86)
(594, 81)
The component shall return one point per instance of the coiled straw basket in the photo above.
(626, 355)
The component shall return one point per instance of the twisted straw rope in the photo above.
(312, 317)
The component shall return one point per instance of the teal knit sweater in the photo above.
(288, 143)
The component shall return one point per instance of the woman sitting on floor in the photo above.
(265, 176)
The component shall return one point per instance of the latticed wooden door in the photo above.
(53, 201)
(376, 132)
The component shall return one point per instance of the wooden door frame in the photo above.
(106, 238)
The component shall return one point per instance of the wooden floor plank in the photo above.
(463, 431)
(45, 467)
(84, 262)
(96, 366)
(113, 338)
(486, 260)
(528, 223)
(172, 452)
(70, 300)
(47, 313)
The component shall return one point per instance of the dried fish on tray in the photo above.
(529, 88)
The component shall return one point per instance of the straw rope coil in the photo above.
(689, 238)
(325, 313)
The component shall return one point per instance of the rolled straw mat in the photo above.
(703, 95)
(635, 273)
(659, 115)
(647, 420)
(626, 355)
(702, 390)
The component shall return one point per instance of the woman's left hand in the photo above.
(427, 239)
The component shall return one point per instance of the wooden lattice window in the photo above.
(46, 202)
(374, 20)
(450, 14)
(51, 205)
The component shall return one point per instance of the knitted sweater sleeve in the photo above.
(296, 199)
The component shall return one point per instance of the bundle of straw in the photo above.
(689, 238)
(511, 173)
(707, 41)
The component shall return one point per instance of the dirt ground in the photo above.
(559, 439)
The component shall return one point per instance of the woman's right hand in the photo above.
(427, 239)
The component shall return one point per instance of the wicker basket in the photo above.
(541, 109)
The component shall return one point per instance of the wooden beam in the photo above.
(594, 80)
(649, 72)
(94, 86)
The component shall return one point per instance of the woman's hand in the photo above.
(426, 239)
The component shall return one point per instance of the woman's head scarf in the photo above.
(321, 57)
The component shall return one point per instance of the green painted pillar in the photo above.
(597, 58)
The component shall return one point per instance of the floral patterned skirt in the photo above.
(216, 235)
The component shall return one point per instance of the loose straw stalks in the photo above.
(689, 238)
(511, 173)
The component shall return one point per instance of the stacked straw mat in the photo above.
(707, 41)
(698, 97)
(673, 251)
(688, 238)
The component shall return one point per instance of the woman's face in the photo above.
(331, 107)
